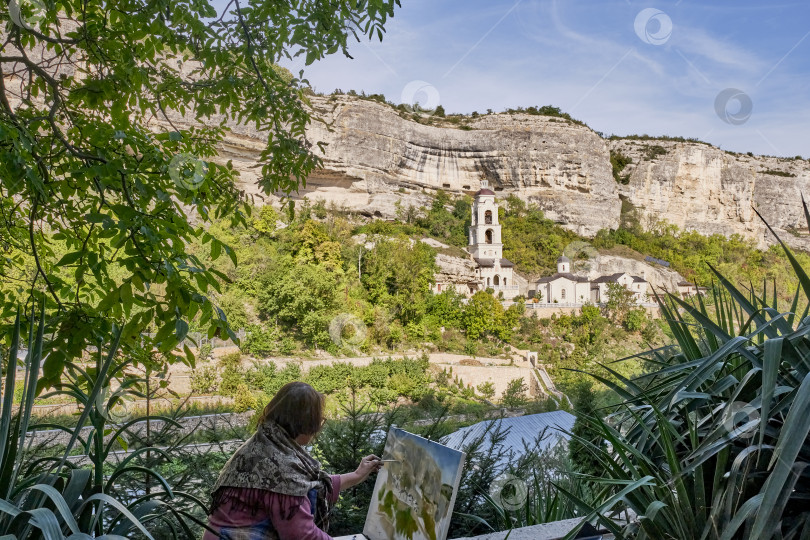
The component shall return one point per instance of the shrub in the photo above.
(204, 379)
(232, 377)
(328, 379)
(204, 352)
(244, 400)
(261, 341)
(635, 320)
(273, 383)
(515, 394)
(618, 162)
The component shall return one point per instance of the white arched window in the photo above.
(562, 294)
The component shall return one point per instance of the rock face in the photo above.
(376, 161)
(700, 187)
(455, 271)
(375, 157)
(658, 277)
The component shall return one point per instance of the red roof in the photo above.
(485, 191)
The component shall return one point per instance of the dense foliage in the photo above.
(715, 442)
(107, 127)
(691, 253)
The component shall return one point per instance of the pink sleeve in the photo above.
(293, 519)
(335, 488)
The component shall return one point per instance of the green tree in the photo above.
(398, 273)
(266, 221)
(446, 307)
(515, 394)
(300, 297)
(586, 435)
(313, 245)
(98, 172)
(619, 302)
(482, 316)
(635, 320)
(530, 240)
(486, 389)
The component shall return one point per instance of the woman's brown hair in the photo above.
(297, 407)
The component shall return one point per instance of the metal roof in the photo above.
(521, 432)
(565, 275)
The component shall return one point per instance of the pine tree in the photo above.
(582, 458)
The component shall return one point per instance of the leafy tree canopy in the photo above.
(110, 113)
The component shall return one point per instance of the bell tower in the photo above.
(485, 231)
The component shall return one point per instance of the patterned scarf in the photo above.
(272, 461)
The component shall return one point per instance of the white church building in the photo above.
(486, 246)
(567, 288)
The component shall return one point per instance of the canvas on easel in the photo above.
(414, 494)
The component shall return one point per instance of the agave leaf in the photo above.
(711, 337)
(76, 485)
(140, 512)
(771, 359)
(33, 362)
(96, 390)
(106, 499)
(598, 512)
(804, 280)
(137, 468)
(60, 504)
(135, 453)
(794, 305)
(791, 438)
(122, 428)
(747, 510)
(740, 299)
(7, 436)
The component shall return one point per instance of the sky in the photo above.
(734, 74)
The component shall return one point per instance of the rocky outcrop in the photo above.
(455, 270)
(376, 161)
(374, 157)
(699, 187)
(658, 277)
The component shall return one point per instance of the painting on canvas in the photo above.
(414, 494)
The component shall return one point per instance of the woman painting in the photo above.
(271, 488)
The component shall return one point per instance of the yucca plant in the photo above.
(50, 497)
(714, 443)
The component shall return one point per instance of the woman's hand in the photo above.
(368, 465)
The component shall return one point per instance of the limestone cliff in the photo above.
(700, 187)
(375, 158)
